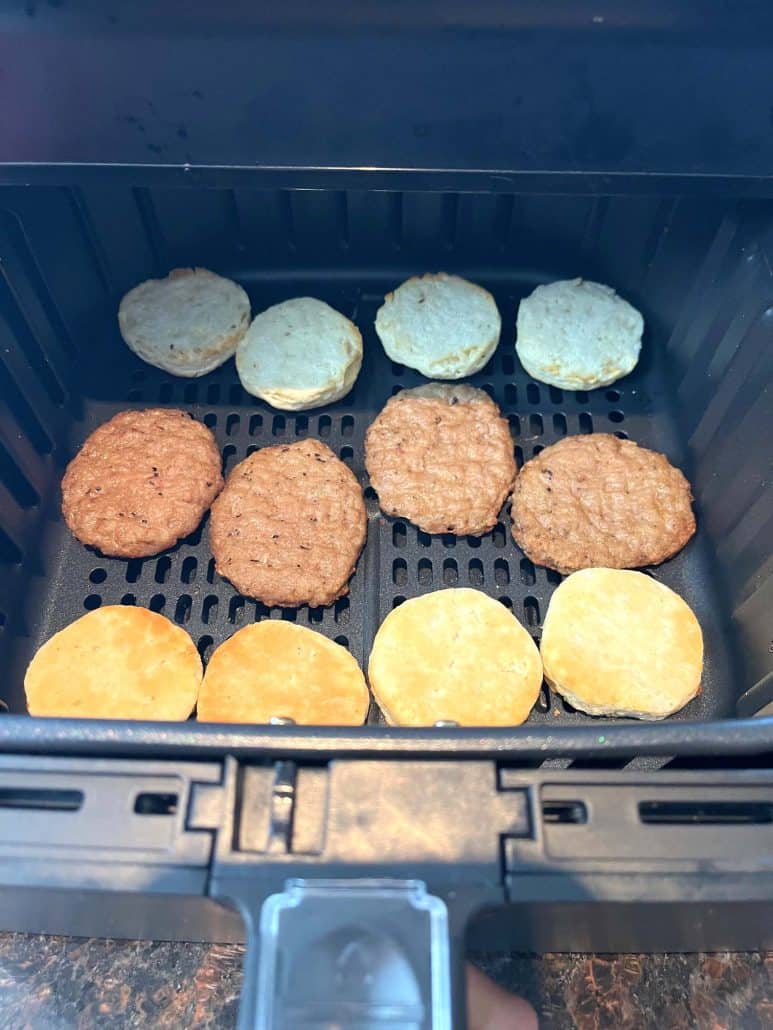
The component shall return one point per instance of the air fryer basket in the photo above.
(697, 270)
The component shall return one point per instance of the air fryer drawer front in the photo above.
(541, 859)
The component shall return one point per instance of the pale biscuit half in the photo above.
(577, 335)
(188, 323)
(454, 655)
(275, 669)
(117, 662)
(617, 642)
(442, 325)
(299, 354)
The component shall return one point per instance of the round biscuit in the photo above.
(289, 525)
(619, 643)
(455, 655)
(276, 669)
(441, 456)
(442, 325)
(577, 335)
(188, 323)
(141, 481)
(117, 662)
(596, 500)
(299, 354)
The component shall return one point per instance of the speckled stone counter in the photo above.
(55, 983)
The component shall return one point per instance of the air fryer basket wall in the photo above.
(698, 269)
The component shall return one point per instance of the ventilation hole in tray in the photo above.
(621, 434)
(187, 570)
(323, 426)
(194, 539)
(204, 646)
(182, 610)
(165, 393)
(342, 611)
(556, 395)
(342, 640)
(259, 612)
(256, 425)
(316, 615)
(586, 422)
(423, 539)
(97, 576)
(250, 450)
(543, 700)
(301, 424)
(210, 420)
(210, 571)
(532, 393)
(563, 703)
(191, 393)
(397, 600)
(553, 576)
(473, 542)
(527, 572)
(346, 453)
(289, 615)
(399, 534)
(519, 457)
(537, 449)
(531, 611)
(163, 565)
(559, 424)
(489, 389)
(535, 425)
(278, 425)
(506, 601)
(501, 572)
(508, 364)
(515, 425)
(128, 599)
(370, 494)
(213, 393)
(397, 370)
(511, 394)
(499, 535)
(236, 609)
(91, 602)
(134, 395)
(399, 572)
(133, 569)
(612, 395)
(209, 609)
(396, 389)
(9, 552)
(3, 620)
(448, 540)
(4, 709)
(424, 572)
(581, 396)
(232, 424)
(157, 602)
(450, 572)
(235, 393)
(347, 426)
(475, 572)
(616, 416)
(228, 453)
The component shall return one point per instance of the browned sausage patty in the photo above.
(141, 482)
(289, 525)
(441, 456)
(598, 501)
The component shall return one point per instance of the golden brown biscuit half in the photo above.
(616, 642)
(454, 655)
(276, 669)
(117, 662)
(442, 456)
(597, 501)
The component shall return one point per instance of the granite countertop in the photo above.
(55, 983)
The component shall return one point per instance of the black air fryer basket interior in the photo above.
(698, 269)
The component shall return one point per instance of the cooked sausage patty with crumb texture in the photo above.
(289, 526)
(441, 456)
(141, 482)
(598, 501)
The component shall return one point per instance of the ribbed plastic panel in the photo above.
(700, 277)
